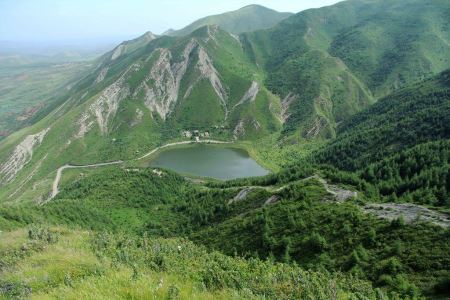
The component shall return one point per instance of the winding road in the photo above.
(57, 179)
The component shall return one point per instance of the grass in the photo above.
(80, 264)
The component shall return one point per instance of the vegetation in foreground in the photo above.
(84, 265)
(303, 227)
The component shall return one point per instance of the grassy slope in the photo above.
(127, 139)
(400, 144)
(292, 57)
(79, 264)
(301, 227)
(377, 47)
(324, 89)
(249, 18)
(413, 115)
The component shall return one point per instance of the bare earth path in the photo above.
(61, 169)
(57, 179)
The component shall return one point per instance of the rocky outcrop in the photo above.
(285, 103)
(160, 97)
(85, 124)
(118, 52)
(208, 71)
(250, 95)
(272, 200)
(242, 195)
(21, 156)
(256, 124)
(166, 76)
(236, 37)
(211, 31)
(105, 107)
(101, 76)
(319, 124)
(409, 212)
(239, 130)
(29, 177)
(138, 117)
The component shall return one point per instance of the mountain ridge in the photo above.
(248, 18)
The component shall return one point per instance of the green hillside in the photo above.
(327, 63)
(401, 143)
(249, 18)
(76, 264)
(304, 224)
(140, 95)
(349, 105)
(413, 115)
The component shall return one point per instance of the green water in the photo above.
(209, 161)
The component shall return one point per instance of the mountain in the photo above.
(329, 63)
(401, 144)
(294, 216)
(410, 116)
(287, 84)
(350, 103)
(141, 94)
(248, 18)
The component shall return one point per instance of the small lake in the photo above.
(209, 161)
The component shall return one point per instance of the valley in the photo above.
(249, 155)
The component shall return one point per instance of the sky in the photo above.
(114, 20)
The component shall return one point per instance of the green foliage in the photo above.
(400, 144)
(411, 116)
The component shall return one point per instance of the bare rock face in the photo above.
(85, 125)
(237, 38)
(250, 95)
(105, 107)
(101, 76)
(21, 156)
(138, 117)
(208, 71)
(410, 213)
(163, 94)
(242, 195)
(118, 52)
(166, 76)
(239, 130)
(212, 30)
(319, 124)
(272, 200)
(285, 103)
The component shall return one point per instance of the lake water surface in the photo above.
(209, 161)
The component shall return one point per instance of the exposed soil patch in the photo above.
(410, 213)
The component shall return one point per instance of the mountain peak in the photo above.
(248, 18)
(255, 7)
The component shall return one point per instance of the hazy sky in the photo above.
(75, 20)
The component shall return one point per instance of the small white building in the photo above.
(187, 134)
